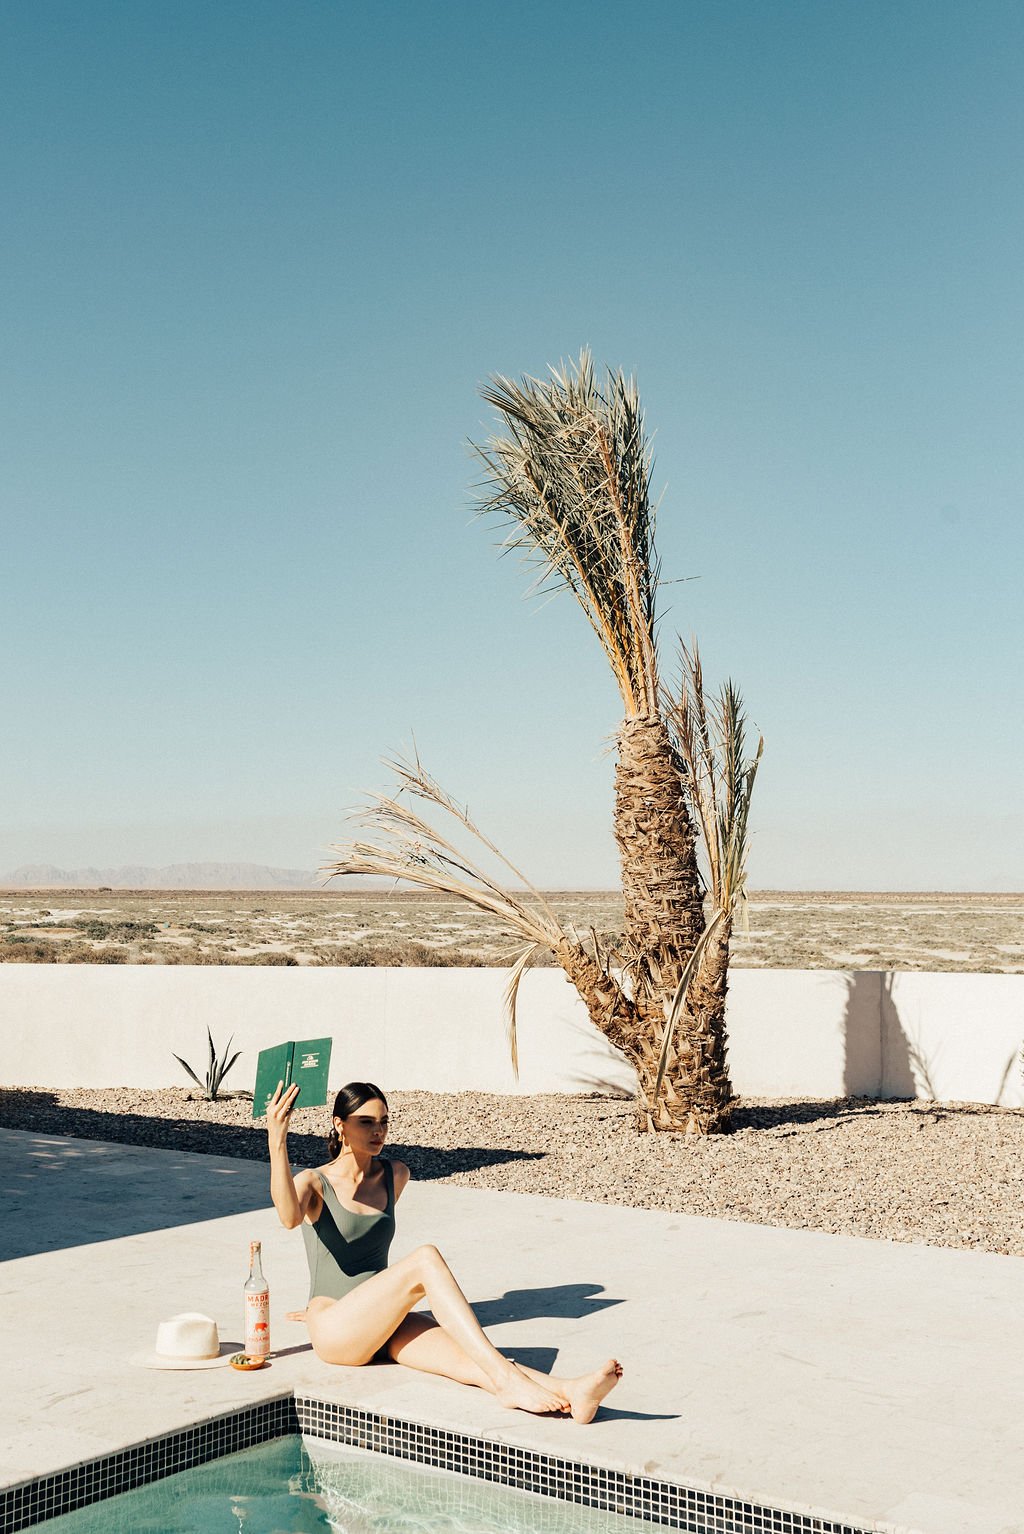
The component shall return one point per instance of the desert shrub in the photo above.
(81, 953)
(265, 958)
(396, 953)
(177, 953)
(23, 950)
(435, 958)
(115, 931)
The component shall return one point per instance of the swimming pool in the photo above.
(100, 1494)
(296, 1486)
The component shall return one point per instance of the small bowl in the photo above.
(246, 1362)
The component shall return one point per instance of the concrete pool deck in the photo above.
(871, 1382)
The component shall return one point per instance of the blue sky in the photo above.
(257, 260)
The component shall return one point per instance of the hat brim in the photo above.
(161, 1361)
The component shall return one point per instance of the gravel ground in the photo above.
(945, 1174)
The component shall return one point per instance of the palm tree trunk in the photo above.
(696, 1093)
(661, 882)
(611, 1010)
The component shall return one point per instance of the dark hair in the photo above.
(352, 1096)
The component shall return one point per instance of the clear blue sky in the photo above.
(256, 260)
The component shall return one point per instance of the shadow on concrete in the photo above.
(91, 1178)
(61, 1193)
(567, 1300)
(546, 1359)
(40, 1112)
(542, 1359)
(863, 1035)
(594, 1072)
(607, 1413)
(880, 1057)
(426, 1162)
(903, 1067)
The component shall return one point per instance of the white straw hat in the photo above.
(188, 1341)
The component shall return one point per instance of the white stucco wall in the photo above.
(805, 1033)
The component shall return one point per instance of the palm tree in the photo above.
(571, 477)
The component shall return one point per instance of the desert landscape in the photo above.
(787, 930)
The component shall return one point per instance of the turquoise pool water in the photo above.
(296, 1486)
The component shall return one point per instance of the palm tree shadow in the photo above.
(824, 1112)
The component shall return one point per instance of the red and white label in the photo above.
(257, 1324)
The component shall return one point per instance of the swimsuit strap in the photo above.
(389, 1183)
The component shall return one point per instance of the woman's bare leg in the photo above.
(420, 1343)
(350, 1330)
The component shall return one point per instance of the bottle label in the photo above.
(257, 1324)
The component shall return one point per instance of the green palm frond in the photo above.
(720, 776)
(571, 476)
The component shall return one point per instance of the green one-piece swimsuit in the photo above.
(344, 1249)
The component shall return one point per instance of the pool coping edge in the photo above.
(693, 1510)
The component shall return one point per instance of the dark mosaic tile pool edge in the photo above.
(615, 1491)
(31, 1502)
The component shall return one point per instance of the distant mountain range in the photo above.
(177, 876)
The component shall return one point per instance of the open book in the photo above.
(306, 1062)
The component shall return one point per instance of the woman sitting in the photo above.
(359, 1308)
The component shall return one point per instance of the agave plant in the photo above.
(216, 1069)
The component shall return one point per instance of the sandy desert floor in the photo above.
(968, 932)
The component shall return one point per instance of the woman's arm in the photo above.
(291, 1195)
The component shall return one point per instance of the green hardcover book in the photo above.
(306, 1061)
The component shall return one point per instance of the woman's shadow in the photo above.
(561, 1300)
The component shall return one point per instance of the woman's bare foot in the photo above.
(520, 1392)
(588, 1391)
(295, 1315)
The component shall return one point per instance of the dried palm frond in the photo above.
(572, 477)
(412, 850)
(518, 970)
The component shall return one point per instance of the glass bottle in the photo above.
(257, 1306)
